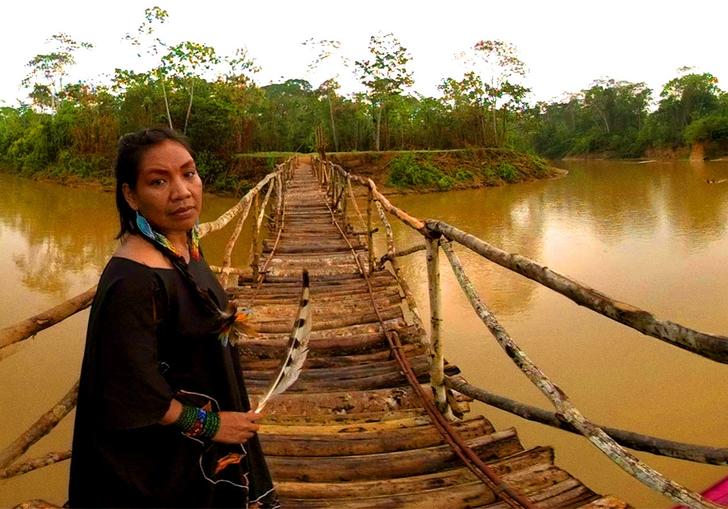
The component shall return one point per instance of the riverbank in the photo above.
(394, 172)
(444, 170)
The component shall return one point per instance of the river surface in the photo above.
(653, 235)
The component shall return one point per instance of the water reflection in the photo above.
(650, 234)
(512, 218)
(695, 208)
(66, 232)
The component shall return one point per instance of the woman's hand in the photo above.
(236, 427)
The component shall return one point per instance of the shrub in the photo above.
(508, 172)
(407, 171)
(463, 175)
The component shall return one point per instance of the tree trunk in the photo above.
(166, 102)
(483, 128)
(189, 105)
(503, 124)
(333, 124)
(495, 127)
(379, 128)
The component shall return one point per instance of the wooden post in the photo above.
(356, 206)
(256, 232)
(437, 368)
(337, 186)
(344, 199)
(370, 233)
(228, 254)
(279, 200)
(391, 256)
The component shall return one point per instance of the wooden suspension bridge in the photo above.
(378, 417)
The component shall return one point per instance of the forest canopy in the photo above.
(71, 128)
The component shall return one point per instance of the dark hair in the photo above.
(131, 149)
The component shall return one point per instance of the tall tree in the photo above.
(48, 70)
(468, 101)
(237, 85)
(146, 40)
(500, 68)
(685, 99)
(385, 74)
(329, 56)
(188, 61)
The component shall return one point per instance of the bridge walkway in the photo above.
(352, 432)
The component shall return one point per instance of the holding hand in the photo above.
(237, 427)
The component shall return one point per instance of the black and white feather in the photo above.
(292, 362)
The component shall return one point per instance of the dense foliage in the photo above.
(71, 129)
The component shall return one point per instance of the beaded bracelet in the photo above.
(187, 418)
(196, 422)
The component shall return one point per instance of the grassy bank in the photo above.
(443, 170)
(393, 171)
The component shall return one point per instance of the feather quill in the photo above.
(296, 352)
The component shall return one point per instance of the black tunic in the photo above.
(149, 337)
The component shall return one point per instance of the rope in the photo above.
(461, 449)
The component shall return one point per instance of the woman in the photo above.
(163, 419)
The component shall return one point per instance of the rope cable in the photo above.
(459, 447)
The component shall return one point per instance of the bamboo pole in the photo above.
(387, 229)
(355, 204)
(344, 200)
(228, 216)
(708, 345)
(228, 270)
(636, 441)
(370, 233)
(258, 224)
(30, 326)
(279, 201)
(26, 466)
(410, 221)
(405, 252)
(254, 259)
(437, 366)
(391, 254)
(227, 255)
(39, 428)
(564, 407)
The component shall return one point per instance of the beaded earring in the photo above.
(193, 237)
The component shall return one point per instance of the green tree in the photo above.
(385, 74)
(48, 70)
(468, 102)
(683, 100)
(500, 69)
(188, 61)
(146, 41)
(328, 54)
(237, 87)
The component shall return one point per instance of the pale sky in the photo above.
(565, 44)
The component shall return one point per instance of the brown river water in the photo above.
(653, 235)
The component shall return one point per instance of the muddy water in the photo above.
(653, 235)
(55, 241)
(650, 234)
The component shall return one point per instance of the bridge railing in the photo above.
(437, 236)
(10, 337)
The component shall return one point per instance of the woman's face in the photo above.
(168, 189)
